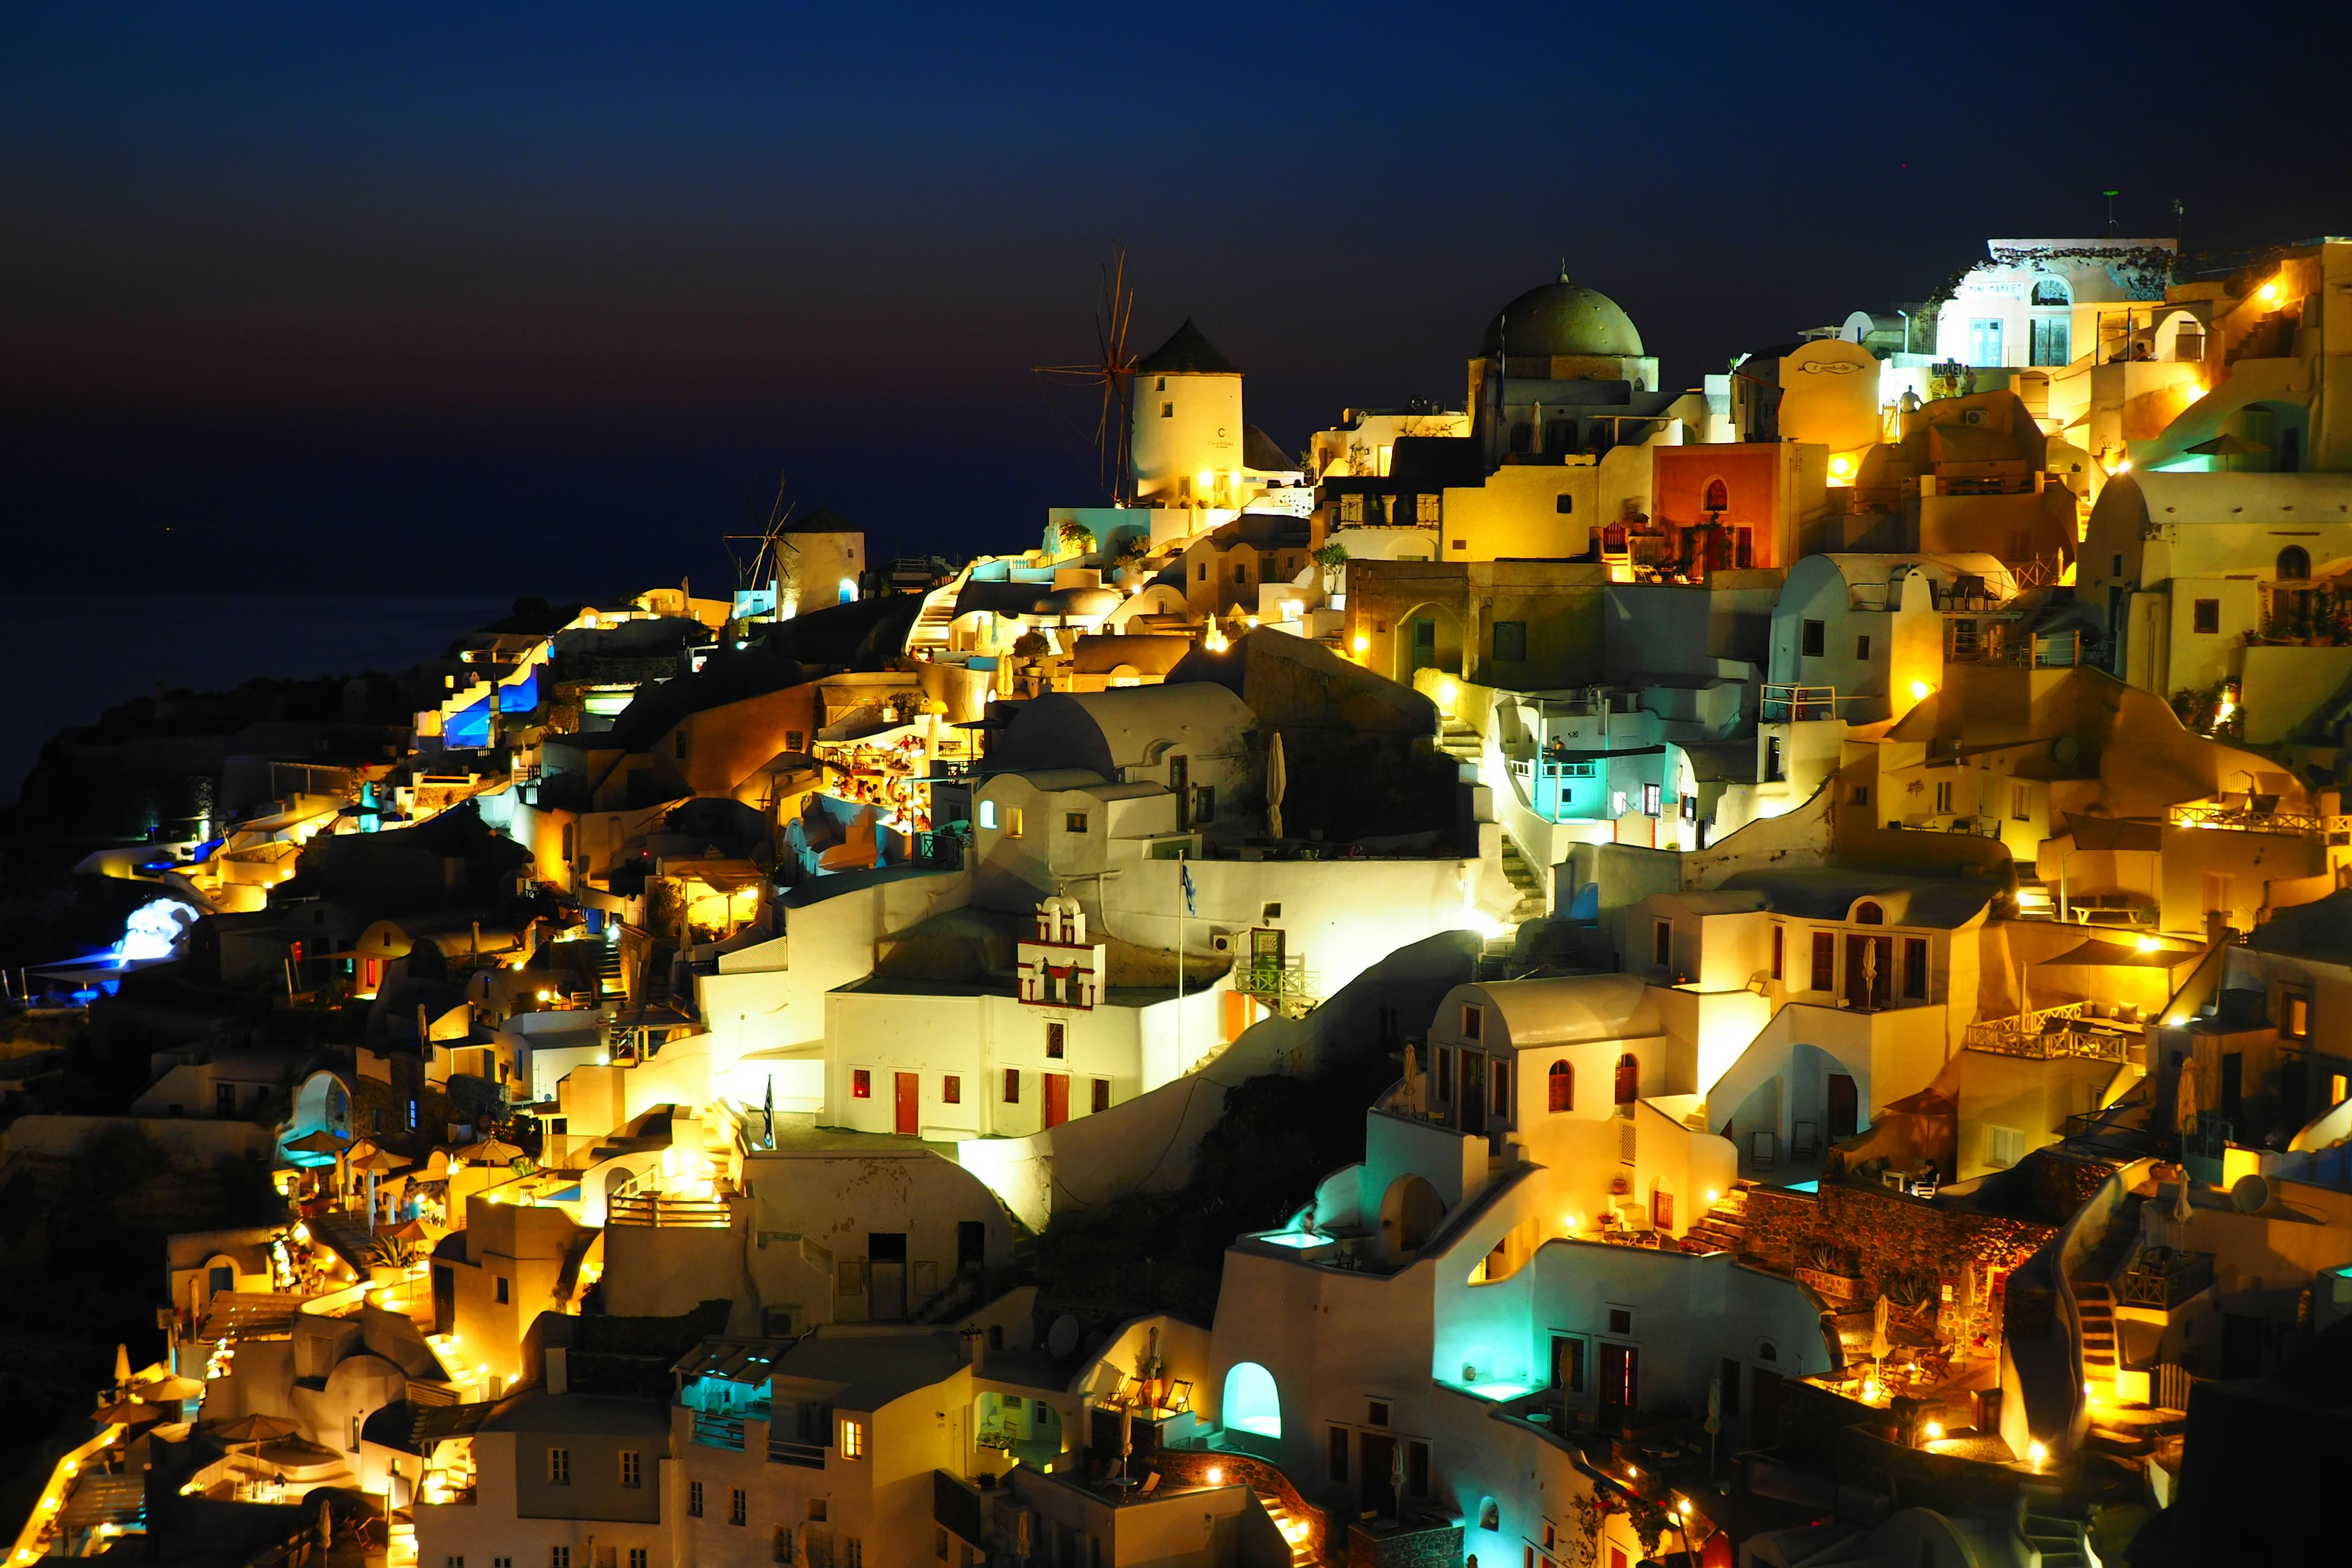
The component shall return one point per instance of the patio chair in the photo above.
(1807, 1143)
(1180, 1395)
(1150, 1484)
(1761, 1150)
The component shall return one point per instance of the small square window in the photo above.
(1168, 411)
(861, 1084)
(1013, 822)
(1816, 635)
(1474, 1020)
(559, 1466)
(632, 1469)
(1073, 821)
(1563, 504)
(1621, 1319)
(816, 1511)
(1461, 544)
(2206, 616)
(1511, 641)
(987, 814)
(951, 1089)
(1377, 1414)
(558, 1557)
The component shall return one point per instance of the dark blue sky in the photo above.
(491, 298)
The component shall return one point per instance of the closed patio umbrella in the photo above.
(1277, 779)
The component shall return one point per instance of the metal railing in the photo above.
(1268, 977)
(1784, 702)
(719, 1431)
(786, 1451)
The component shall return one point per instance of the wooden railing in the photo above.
(681, 1214)
(2051, 1032)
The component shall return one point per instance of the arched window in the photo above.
(1252, 1402)
(1869, 915)
(1768, 1350)
(1629, 1079)
(2293, 564)
(1562, 1080)
(2052, 292)
(1719, 497)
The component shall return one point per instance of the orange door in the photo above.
(1058, 1099)
(909, 1091)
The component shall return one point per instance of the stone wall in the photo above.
(1883, 1237)
(1435, 1546)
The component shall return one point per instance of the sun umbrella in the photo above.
(322, 1142)
(124, 1411)
(1278, 778)
(1878, 1341)
(2226, 446)
(379, 1160)
(255, 1428)
(406, 1230)
(493, 1152)
(121, 1365)
(164, 1390)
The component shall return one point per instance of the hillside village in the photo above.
(1592, 972)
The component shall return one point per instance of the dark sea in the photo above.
(67, 659)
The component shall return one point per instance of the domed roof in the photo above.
(1564, 319)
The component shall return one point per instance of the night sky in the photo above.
(487, 300)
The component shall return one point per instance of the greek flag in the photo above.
(1185, 872)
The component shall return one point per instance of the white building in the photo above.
(2034, 302)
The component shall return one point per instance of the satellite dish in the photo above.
(1062, 1337)
(2251, 1193)
(2064, 750)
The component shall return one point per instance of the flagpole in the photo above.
(1183, 873)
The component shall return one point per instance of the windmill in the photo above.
(771, 565)
(1113, 369)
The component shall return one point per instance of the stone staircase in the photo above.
(608, 971)
(2096, 1305)
(1460, 742)
(2055, 1542)
(1293, 1530)
(1724, 1227)
(1525, 881)
(936, 620)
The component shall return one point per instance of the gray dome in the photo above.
(1561, 319)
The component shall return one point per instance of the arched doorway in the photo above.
(1251, 1404)
(1409, 1213)
(1428, 637)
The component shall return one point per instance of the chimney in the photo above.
(976, 1350)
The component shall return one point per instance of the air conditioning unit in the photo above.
(1223, 941)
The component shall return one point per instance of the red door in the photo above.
(1620, 1383)
(907, 1089)
(1058, 1099)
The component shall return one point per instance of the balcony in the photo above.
(719, 1431)
(2050, 1033)
(786, 1451)
(2259, 814)
(660, 1211)
(1789, 704)
(2165, 1278)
